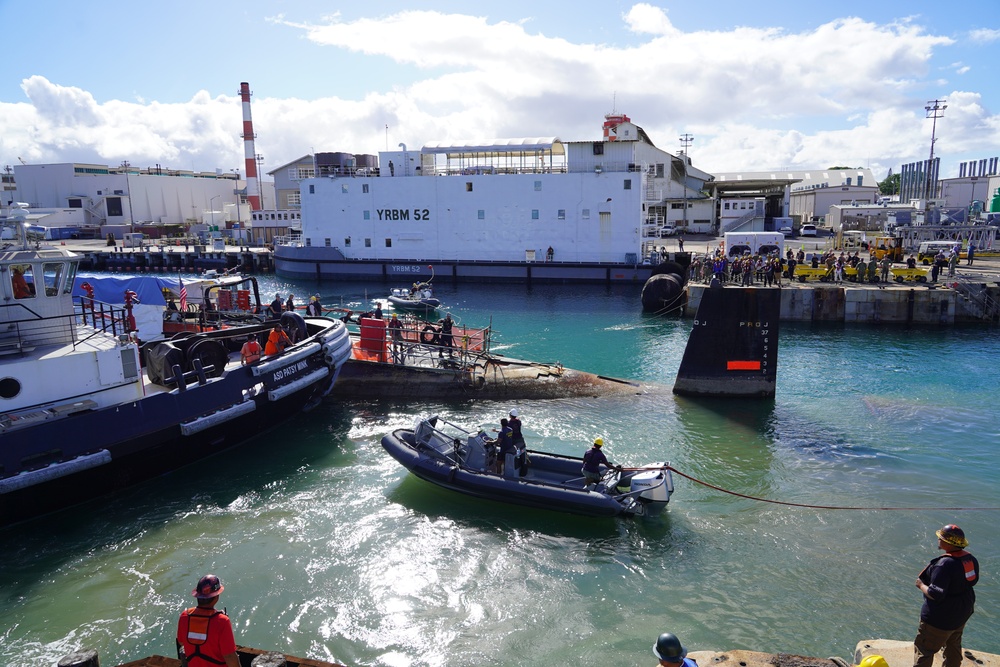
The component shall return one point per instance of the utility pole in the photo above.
(935, 109)
(686, 140)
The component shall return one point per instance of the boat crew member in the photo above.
(274, 310)
(250, 352)
(670, 652)
(949, 600)
(277, 341)
(315, 308)
(396, 335)
(592, 461)
(505, 447)
(21, 289)
(521, 456)
(446, 336)
(204, 634)
(290, 304)
(378, 310)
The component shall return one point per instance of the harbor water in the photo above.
(329, 549)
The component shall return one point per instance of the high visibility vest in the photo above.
(196, 634)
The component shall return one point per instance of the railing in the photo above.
(25, 329)
(976, 294)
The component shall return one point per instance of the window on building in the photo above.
(659, 170)
(75, 203)
(468, 186)
(309, 241)
(347, 242)
(561, 214)
(294, 199)
(364, 188)
(481, 214)
(368, 243)
(534, 214)
(388, 243)
(598, 148)
(538, 186)
(628, 183)
(343, 188)
(368, 215)
(725, 206)
(585, 214)
(312, 189)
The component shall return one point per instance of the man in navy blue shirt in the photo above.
(949, 600)
(670, 652)
(592, 462)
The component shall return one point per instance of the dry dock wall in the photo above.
(893, 305)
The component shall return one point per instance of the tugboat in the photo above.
(83, 412)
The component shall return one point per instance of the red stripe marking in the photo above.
(742, 365)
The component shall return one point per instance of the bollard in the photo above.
(270, 659)
(85, 658)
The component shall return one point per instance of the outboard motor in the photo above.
(654, 487)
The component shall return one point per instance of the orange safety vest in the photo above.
(968, 565)
(196, 633)
(251, 350)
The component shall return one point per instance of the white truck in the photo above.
(754, 243)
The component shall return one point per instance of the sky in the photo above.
(767, 85)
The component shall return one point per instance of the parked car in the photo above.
(786, 231)
(667, 230)
(808, 230)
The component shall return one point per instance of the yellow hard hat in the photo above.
(874, 661)
(599, 442)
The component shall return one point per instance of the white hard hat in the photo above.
(513, 412)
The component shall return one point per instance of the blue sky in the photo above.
(761, 85)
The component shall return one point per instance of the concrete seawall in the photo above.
(863, 304)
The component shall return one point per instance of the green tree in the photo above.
(890, 186)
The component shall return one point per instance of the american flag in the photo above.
(184, 295)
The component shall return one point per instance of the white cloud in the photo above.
(754, 98)
(984, 35)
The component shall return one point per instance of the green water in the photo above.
(329, 549)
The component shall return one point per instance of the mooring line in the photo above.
(820, 507)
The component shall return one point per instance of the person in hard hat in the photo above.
(873, 661)
(505, 448)
(949, 599)
(204, 634)
(315, 308)
(670, 652)
(593, 459)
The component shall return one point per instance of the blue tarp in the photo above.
(112, 290)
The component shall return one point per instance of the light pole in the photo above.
(212, 206)
(686, 140)
(935, 109)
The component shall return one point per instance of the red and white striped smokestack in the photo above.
(253, 185)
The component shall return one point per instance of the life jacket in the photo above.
(253, 351)
(196, 633)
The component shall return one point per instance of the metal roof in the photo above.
(519, 145)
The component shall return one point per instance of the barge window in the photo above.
(468, 186)
(312, 189)
(538, 186)
(534, 214)
(368, 243)
(388, 243)
(585, 214)
(367, 215)
(347, 242)
(364, 188)
(343, 188)
(481, 214)
(561, 214)
(22, 281)
(628, 183)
